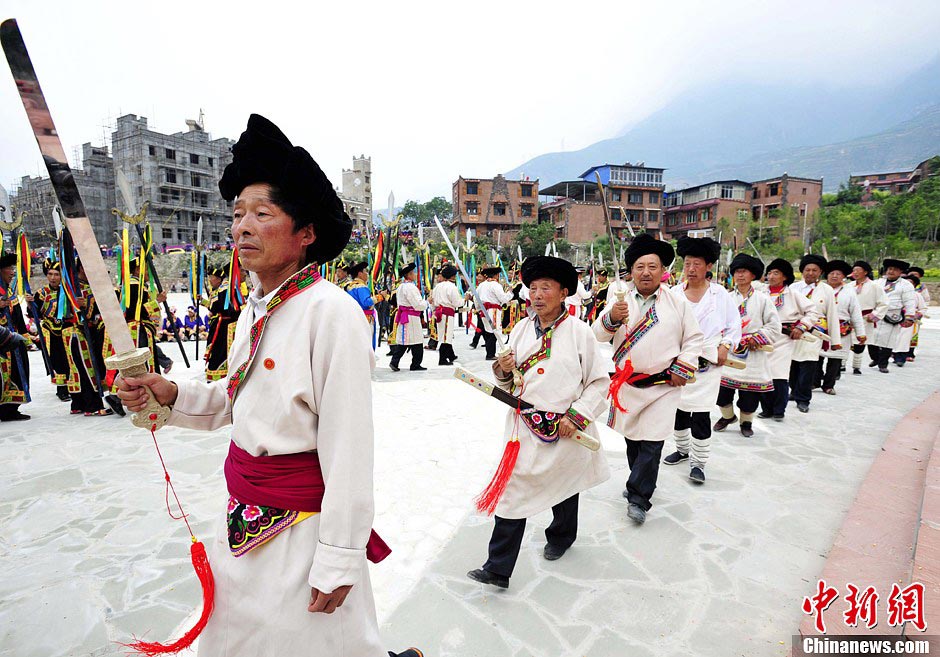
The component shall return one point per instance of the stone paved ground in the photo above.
(88, 556)
(719, 569)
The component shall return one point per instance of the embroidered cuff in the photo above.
(609, 325)
(334, 567)
(579, 420)
(681, 369)
(758, 337)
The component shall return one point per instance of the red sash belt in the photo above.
(287, 481)
(404, 314)
(441, 311)
(867, 312)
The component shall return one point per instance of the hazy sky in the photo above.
(430, 90)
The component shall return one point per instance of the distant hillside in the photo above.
(904, 146)
(712, 127)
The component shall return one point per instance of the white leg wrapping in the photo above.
(857, 360)
(682, 440)
(701, 448)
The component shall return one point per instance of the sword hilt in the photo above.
(132, 364)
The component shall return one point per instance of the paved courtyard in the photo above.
(89, 556)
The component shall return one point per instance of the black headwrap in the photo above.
(645, 244)
(557, 269)
(699, 247)
(749, 262)
(838, 265)
(263, 154)
(784, 267)
(353, 270)
(891, 262)
(812, 259)
(448, 271)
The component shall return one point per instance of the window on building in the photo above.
(727, 191)
(615, 195)
(181, 235)
(653, 217)
(774, 189)
(215, 238)
(197, 181)
(525, 190)
(882, 176)
(171, 175)
(499, 209)
(473, 207)
(193, 158)
(690, 218)
(201, 199)
(164, 195)
(153, 151)
(654, 197)
(635, 198)
(472, 188)
(211, 161)
(526, 209)
(803, 211)
(804, 191)
(170, 154)
(671, 220)
(167, 233)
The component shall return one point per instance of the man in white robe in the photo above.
(797, 316)
(288, 580)
(409, 333)
(717, 316)
(900, 310)
(494, 297)
(851, 323)
(904, 350)
(760, 328)
(446, 300)
(564, 377)
(575, 302)
(654, 333)
(805, 364)
(872, 302)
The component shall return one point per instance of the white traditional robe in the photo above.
(575, 302)
(900, 301)
(905, 335)
(668, 338)
(718, 317)
(850, 315)
(792, 308)
(493, 292)
(573, 377)
(445, 295)
(822, 295)
(759, 317)
(872, 301)
(313, 358)
(411, 332)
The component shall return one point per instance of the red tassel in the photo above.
(204, 573)
(489, 498)
(621, 376)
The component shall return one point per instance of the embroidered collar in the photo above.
(650, 319)
(291, 287)
(545, 349)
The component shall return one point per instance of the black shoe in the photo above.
(636, 513)
(778, 418)
(856, 371)
(697, 474)
(803, 407)
(490, 358)
(473, 346)
(883, 370)
(553, 552)
(417, 368)
(675, 457)
(874, 363)
(411, 652)
(899, 364)
(746, 429)
(452, 359)
(723, 423)
(13, 416)
(829, 391)
(63, 396)
(486, 577)
(394, 368)
(764, 415)
(115, 403)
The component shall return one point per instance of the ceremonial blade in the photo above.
(498, 393)
(620, 292)
(128, 358)
(471, 282)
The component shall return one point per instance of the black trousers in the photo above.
(880, 355)
(446, 354)
(506, 540)
(476, 339)
(801, 380)
(831, 373)
(748, 400)
(87, 398)
(699, 422)
(417, 353)
(643, 456)
(775, 402)
(489, 339)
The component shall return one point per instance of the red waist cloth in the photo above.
(867, 312)
(440, 311)
(405, 313)
(289, 481)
